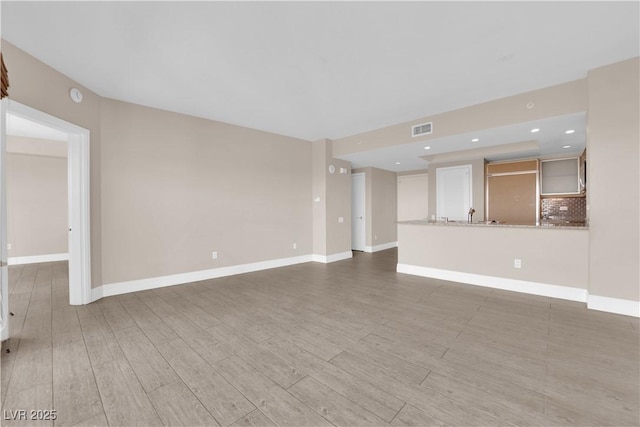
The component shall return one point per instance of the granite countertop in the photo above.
(551, 225)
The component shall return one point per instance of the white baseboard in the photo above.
(325, 259)
(194, 276)
(535, 288)
(37, 259)
(614, 305)
(381, 247)
(119, 288)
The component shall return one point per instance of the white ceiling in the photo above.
(321, 69)
(17, 126)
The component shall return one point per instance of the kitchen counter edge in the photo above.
(494, 225)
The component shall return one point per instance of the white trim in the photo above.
(381, 247)
(326, 259)
(4, 270)
(79, 199)
(614, 305)
(194, 276)
(35, 259)
(527, 287)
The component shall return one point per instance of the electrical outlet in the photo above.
(214, 255)
(340, 219)
(375, 237)
(8, 246)
(295, 246)
(517, 263)
(564, 208)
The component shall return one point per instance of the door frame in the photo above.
(4, 269)
(78, 180)
(364, 216)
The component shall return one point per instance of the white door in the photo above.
(413, 200)
(453, 196)
(358, 210)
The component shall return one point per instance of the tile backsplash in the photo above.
(573, 209)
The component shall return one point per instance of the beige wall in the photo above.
(339, 206)
(384, 199)
(549, 256)
(36, 146)
(333, 191)
(320, 154)
(381, 205)
(37, 220)
(413, 197)
(41, 87)
(613, 184)
(168, 189)
(175, 188)
(553, 101)
(477, 182)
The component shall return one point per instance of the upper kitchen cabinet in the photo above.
(560, 176)
(512, 192)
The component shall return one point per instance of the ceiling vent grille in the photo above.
(422, 129)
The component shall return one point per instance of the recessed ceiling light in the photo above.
(397, 163)
(427, 148)
(475, 140)
(566, 146)
(569, 131)
(535, 130)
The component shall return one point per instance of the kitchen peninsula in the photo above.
(547, 259)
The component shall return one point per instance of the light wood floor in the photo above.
(349, 343)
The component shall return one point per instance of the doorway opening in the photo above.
(37, 193)
(358, 212)
(77, 153)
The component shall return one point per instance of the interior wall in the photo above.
(477, 186)
(338, 207)
(413, 197)
(41, 87)
(331, 201)
(36, 146)
(320, 153)
(37, 214)
(176, 188)
(549, 256)
(384, 199)
(613, 182)
(381, 205)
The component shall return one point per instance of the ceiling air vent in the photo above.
(422, 129)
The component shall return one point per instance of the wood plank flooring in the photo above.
(348, 344)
